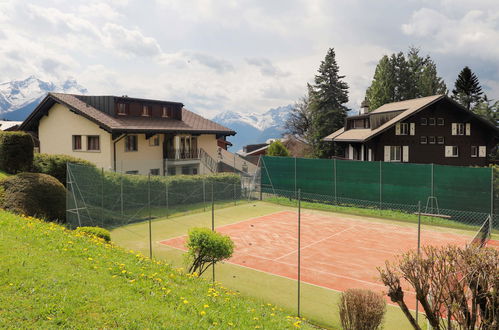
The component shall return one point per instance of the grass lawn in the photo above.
(318, 304)
(3, 175)
(51, 277)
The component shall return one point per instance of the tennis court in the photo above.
(337, 252)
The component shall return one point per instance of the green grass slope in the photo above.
(51, 277)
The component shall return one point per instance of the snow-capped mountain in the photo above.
(18, 98)
(254, 127)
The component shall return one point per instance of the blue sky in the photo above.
(241, 55)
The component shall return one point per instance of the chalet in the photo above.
(433, 129)
(132, 135)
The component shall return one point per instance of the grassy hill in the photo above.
(52, 277)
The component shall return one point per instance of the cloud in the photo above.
(266, 67)
(217, 64)
(130, 42)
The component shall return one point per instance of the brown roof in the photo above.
(409, 107)
(190, 122)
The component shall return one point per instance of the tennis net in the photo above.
(483, 235)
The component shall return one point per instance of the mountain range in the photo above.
(254, 128)
(18, 98)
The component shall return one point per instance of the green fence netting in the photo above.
(462, 193)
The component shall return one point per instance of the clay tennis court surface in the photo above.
(336, 252)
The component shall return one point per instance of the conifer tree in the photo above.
(327, 98)
(467, 90)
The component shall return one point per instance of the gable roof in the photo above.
(191, 122)
(406, 108)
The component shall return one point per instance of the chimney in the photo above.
(364, 107)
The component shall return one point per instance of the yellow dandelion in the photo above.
(90, 259)
(255, 318)
(202, 313)
(123, 271)
(297, 324)
(185, 301)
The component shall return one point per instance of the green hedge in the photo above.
(16, 152)
(55, 165)
(95, 231)
(34, 194)
(104, 189)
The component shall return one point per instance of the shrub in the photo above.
(206, 248)
(34, 194)
(278, 149)
(16, 152)
(95, 231)
(361, 309)
(55, 165)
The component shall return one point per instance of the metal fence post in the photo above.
(335, 185)
(235, 197)
(419, 247)
(166, 197)
(295, 180)
(204, 196)
(121, 199)
(492, 196)
(380, 187)
(213, 224)
(149, 210)
(299, 249)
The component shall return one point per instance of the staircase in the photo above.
(236, 162)
(208, 161)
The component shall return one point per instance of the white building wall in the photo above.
(56, 131)
(143, 160)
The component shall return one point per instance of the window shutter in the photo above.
(482, 151)
(468, 129)
(387, 153)
(405, 154)
(397, 129)
(448, 151)
(369, 154)
(454, 129)
(413, 128)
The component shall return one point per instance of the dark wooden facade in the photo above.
(435, 123)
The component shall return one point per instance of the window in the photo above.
(93, 143)
(164, 112)
(154, 171)
(451, 151)
(395, 153)
(424, 121)
(440, 140)
(121, 109)
(423, 140)
(131, 143)
(172, 171)
(474, 151)
(185, 170)
(404, 129)
(194, 170)
(458, 129)
(432, 121)
(132, 172)
(154, 141)
(482, 151)
(440, 122)
(431, 140)
(76, 142)
(146, 110)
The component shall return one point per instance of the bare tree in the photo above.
(458, 288)
(299, 120)
(361, 309)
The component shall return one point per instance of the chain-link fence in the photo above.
(295, 248)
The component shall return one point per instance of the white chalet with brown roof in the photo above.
(132, 135)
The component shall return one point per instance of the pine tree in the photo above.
(328, 95)
(467, 90)
(401, 77)
(487, 110)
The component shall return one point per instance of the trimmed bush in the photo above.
(95, 231)
(206, 248)
(278, 149)
(55, 165)
(361, 309)
(34, 194)
(16, 152)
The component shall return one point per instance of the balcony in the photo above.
(182, 154)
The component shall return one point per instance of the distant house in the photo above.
(297, 147)
(432, 129)
(132, 135)
(9, 125)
